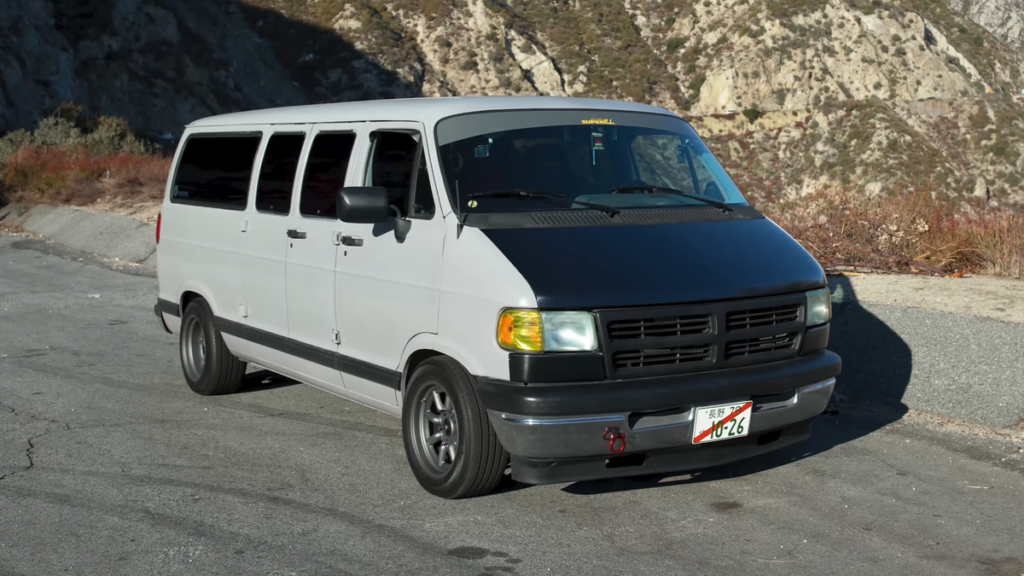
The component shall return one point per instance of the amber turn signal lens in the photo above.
(521, 330)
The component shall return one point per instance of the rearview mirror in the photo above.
(363, 205)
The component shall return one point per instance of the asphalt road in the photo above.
(110, 465)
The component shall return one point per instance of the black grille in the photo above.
(662, 356)
(665, 340)
(746, 319)
(763, 345)
(658, 327)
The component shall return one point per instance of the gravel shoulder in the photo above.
(986, 296)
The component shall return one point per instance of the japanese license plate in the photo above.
(722, 422)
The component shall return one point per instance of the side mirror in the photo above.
(363, 205)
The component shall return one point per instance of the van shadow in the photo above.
(877, 365)
(263, 380)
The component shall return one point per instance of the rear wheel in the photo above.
(209, 367)
(451, 447)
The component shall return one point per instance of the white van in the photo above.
(572, 288)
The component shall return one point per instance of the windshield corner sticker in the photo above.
(472, 203)
(599, 121)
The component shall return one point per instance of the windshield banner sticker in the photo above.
(599, 121)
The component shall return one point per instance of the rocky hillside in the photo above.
(163, 63)
(1003, 18)
(880, 95)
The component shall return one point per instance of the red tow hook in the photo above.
(612, 435)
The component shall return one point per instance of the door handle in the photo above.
(351, 241)
(296, 234)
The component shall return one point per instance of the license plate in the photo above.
(722, 422)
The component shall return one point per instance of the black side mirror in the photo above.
(363, 204)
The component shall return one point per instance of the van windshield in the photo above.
(617, 159)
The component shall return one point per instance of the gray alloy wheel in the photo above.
(437, 430)
(452, 450)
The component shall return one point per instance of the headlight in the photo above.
(535, 331)
(819, 307)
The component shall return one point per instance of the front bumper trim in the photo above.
(668, 461)
(530, 421)
(601, 397)
(672, 427)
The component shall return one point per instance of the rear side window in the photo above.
(325, 174)
(277, 173)
(215, 171)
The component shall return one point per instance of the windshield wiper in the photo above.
(543, 196)
(641, 187)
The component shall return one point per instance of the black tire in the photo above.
(209, 367)
(480, 460)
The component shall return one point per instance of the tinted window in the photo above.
(392, 166)
(215, 170)
(277, 174)
(325, 174)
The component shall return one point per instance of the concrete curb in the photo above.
(106, 235)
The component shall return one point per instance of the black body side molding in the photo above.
(310, 353)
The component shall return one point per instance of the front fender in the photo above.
(441, 345)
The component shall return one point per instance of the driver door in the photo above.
(388, 287)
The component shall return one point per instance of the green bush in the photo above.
(674, 44)
(12, 142)
(752, 114)
(67, 129)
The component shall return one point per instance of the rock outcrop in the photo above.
(1003, 18)
(163, 63)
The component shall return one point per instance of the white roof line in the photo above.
(428, 109)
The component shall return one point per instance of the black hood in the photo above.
(616, 266)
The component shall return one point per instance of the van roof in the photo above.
(424, 109)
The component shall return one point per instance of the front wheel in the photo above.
(451, 447)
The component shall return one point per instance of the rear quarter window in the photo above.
(215, 171)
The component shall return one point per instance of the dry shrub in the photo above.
(77, 176)
(914, 232)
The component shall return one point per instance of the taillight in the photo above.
(159, 217)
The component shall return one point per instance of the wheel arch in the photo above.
(424, 346)
(189, 292)
(186, 298)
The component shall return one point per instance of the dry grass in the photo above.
(78, 177)
(909, 233)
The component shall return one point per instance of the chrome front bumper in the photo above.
(576, 436)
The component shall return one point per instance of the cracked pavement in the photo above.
(111, 465)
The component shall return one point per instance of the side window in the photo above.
(393, 166)
(423, 200)
(215, 171)
(658, 162)
(277, 174)
(325, 174)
